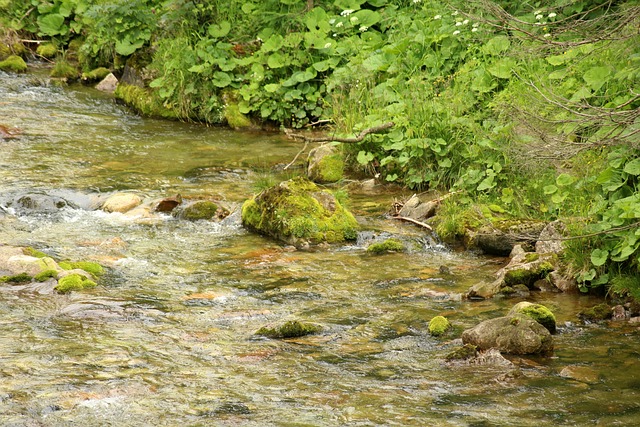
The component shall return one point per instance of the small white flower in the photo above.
(339, 24)
(547, 35)
(417, 1)
(327, 46)
(437, 17)
(454, 13)
(346, 12)
(363, 28)
(476, 24)
(335, 35)
(465, 22)
(474, 29)
(353, 19)
(539, 17)
(456, 32)
(537, 12)
(552, 15)
(332, 21)
(458, 24)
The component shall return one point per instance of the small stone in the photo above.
(618, 313)
(121, 202)
(108, 84)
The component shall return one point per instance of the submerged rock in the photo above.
(297, 212)
(596, 313)
(290, 329)
(513, 334)
(201, 209)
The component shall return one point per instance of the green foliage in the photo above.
(74, 282)
(62, 69)
(45, 275)
(16, 279)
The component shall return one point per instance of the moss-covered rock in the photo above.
(325, 164)
(438, 326)
(16, 278)
(13, 64)
(201, 209)
(298, 212)
(74, 282)
(290, 329)
(596, 313)
(143, 101)
(464, 352)
(90, 267)
(63, 70)
(514, 334)
(47, 50)
(95, 75)
(389, 245)
(33, 252)
(537, 312)
(46, 275)
(234, 118)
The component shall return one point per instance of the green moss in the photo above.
(48, 50)
(596, 313)
(73, 282)
(5, 51)
(528, 276)
(235, 119)
(331, 168)
(290, 329)
(531, 256)
(13, 64)
(17, 278)
(63, 70)
(537, 312)
(202, 209)
(467, 351)
(389, 245)
(143, 101)
(297, 210)
(88, 266)
(438, 326)
(45, 275)
(33, 252)
(95, 75)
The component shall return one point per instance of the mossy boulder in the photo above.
(325, 164)
(389, 245)
(16, 278)
(201, 209)
(13, 64)
(298, 212)
(290, 329)
(464, 352)
(95, 75)
(74, 282)
(438, 326)
(513, 334)
(537, 312)
(63, 70)
(46, 275)
(596, 313)
(47, 50)
(144, 101)
(234, 118)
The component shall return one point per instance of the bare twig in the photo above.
(357, 138)
(297, 155)
(413, 221)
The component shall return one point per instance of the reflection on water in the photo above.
(168, 337)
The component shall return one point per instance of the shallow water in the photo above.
(168, 336)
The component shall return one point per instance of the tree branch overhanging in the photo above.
(357, 138)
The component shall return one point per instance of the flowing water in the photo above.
(167, 339)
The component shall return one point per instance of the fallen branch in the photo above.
(357, 138)
(413, 221)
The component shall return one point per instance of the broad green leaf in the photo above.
(483, 81)
(221, 79)
(558, 74)
(219, 30)
(391, 177)
(507, 196)
(51, 25)
(502, 68)
(321, 65)
(596, 77)
(273, 43)
(550, 189)
(496, 45)
(367, 17)
(316, 20)
(364, 157)
(444, 163)
(486, 184)
(126, 48)
(558, 198)
(633, 167)
(564, 179)
(276, 60)
(580, 94)
(271, 88)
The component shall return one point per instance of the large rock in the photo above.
(14, 260)
(513, 334)
(108, 84)
(501, 237)
(121, 202)
(297, 212)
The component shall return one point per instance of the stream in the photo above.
(168, 336)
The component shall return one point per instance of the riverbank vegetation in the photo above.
(524, 110)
